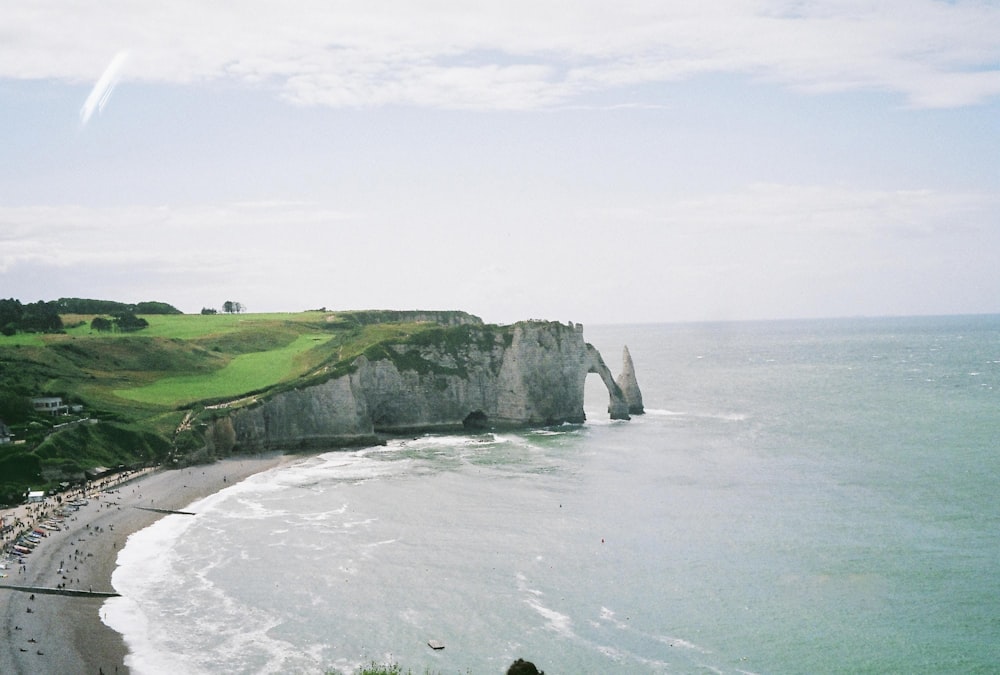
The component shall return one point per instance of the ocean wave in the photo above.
(664, 413)
(725, 416)
(556, 621)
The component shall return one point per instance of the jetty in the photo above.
(69, 592)
(166, 511)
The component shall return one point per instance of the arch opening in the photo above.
(595, 397)
(476, 421)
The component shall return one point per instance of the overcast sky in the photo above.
(602, 162)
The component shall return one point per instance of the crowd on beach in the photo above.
(24, 527)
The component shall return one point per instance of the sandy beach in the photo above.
(46, 633)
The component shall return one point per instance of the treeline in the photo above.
(85, 306)
(43, 316)
(35, 317)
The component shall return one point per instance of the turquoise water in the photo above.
(801, 497)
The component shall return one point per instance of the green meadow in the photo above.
(243, 374)
(195, 326)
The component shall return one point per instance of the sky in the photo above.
(628, 162)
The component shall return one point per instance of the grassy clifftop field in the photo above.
(141, 385)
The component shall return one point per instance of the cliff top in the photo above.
(146, 382)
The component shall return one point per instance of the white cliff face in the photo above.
(316, 416)
(629, 386)
(528, 374)
(541, 381)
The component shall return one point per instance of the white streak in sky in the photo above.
(101, 92)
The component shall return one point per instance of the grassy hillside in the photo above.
(140, 385)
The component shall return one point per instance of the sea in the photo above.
(816, 496)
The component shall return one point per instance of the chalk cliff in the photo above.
(474, 376)
(629, 386)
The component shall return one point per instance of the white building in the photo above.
(52, 405)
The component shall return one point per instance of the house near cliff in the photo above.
(53, 405)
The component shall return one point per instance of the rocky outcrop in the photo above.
(629, 386)
(472, 376)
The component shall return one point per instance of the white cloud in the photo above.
(520, 53)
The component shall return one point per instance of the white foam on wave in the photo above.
(144, 561)
(547, 432)
(145, 557)
(664, 413)
(514, 439)
(442, 441)
(609, 616)
(556, 621)
(251, 509)
(321, 516)
(563, 625)
(595, 419)
(337, 466)
(124, 616)
(199, 627)
(213, 623)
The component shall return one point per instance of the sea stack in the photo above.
(630, 388)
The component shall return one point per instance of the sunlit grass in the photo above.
(195, 326)
(22, 339)
(245, 373)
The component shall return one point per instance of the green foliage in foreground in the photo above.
(107, 444)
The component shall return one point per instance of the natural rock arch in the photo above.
(617, 407)
(474, 377)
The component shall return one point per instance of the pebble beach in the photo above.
(47, 632)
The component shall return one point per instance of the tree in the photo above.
(230, 307)
(10, 315)
(15, 408)
(128, 322)
(41, 317)
(101, 325)
(89, 306)
(209, 310)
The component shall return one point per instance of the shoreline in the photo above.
(58, 633)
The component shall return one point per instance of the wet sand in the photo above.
(58, 634)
